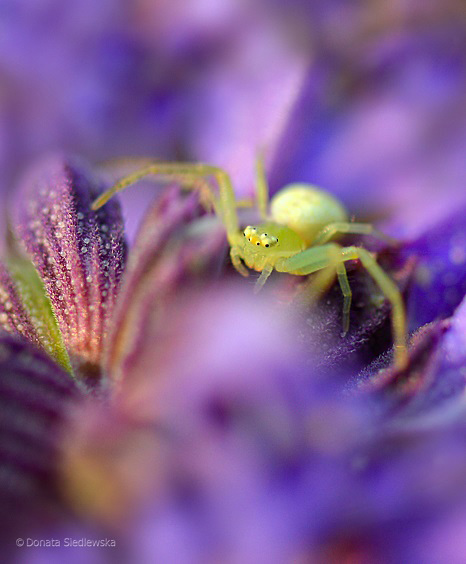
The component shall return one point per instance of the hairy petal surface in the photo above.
(78, 253)
(429, 392)
(442, 398)
(13, 316)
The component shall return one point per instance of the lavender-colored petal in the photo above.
(242, 107)
(214, 398)
(237, 435)
(35, 395)
(78, 253)
(454, 344)
(172, 253)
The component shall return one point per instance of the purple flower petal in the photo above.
(413, 380)
(13, 316)
(168, 258)
(35, 395)
(238, 435)
(429, 391)
(78, 253)
(439, 282)
(443, 397)
(370, 331)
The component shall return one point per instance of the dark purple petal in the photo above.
(78, 253)
(35, 395)
(370, 332)
(430, 390)
(439, 282)
(442, 398)
(403, 385)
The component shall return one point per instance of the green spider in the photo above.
(294, 238)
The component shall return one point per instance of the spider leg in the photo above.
(265, 273)
(316, 258)
(262, 188)
(332, 229)
(261, 200)
(236, 261)
(321, 283)
(347, 294)
(189, 174)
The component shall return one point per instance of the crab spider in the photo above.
(295, 237)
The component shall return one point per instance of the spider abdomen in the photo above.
(306, 210)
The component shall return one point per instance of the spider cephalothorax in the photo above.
(257, 236)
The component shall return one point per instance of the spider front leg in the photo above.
(261, 200)
(235, 256)
(331, 254)
(262, 188)
(189, 174)
(266, 272)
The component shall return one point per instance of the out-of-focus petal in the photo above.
(243, 104)
(239, 435)
(236, 421)
(443, 399)
(439, 281)
(382, 127)
(173, 251)
(35, 395)
(78, 253)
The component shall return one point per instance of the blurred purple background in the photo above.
(363, 98)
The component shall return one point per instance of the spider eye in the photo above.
(267, 240)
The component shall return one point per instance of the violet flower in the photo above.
(152, 400)
(206, 422)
